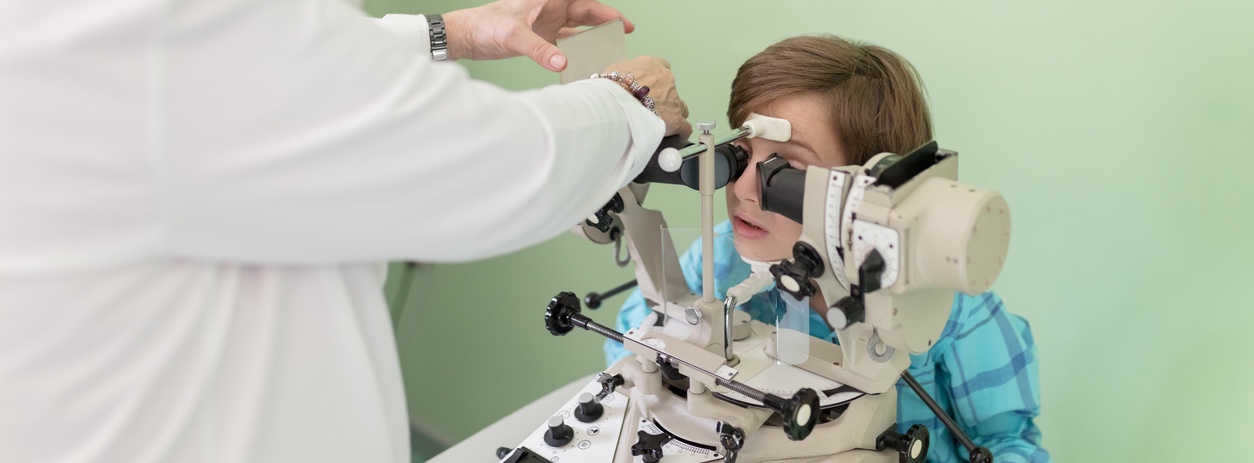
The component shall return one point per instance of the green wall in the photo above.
(1118, 131)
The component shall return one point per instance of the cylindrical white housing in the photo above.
(958, 236)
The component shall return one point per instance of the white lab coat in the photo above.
(194, 200)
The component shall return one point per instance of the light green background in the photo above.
(1120, 132)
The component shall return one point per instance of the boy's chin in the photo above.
(753, 252)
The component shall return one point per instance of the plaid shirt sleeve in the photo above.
(983, 372)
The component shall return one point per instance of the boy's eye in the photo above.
(793, 162)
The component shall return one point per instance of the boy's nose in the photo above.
(746, 187)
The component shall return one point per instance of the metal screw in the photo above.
(692, 315)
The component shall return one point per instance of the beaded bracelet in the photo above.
(640, 92)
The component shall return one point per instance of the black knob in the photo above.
(912, 446)
(807, 259)
(732, 438)
(981, 455)
(502, 452)
(852, 308)
(601, 221)
(615, 205)
(871, 270)
(793, 276)
(589, 409)
(559, 432)
(800, 412)
(593, 300)
(557, 317)
(649, 446)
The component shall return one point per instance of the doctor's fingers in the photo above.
(655, 73)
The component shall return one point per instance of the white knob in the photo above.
(790, 283)
(669, 160)
(837, 319)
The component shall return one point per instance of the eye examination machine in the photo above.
(887, 243)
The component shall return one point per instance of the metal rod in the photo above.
(586, 323)
(697, 149)
(706, 174)
(729, 305)
(944, 417)
(593, 300)
(742, 389)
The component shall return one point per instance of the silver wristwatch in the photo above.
(439, 43)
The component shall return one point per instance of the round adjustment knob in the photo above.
(589, 409)
(669, 159)
(845, 312)
(911, 446)
(559, 432)
(557, 317)
(600, 221)
(800, 412)
(615, 204)
(981, 455)
(794, 276)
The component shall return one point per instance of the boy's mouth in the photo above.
(747, 229)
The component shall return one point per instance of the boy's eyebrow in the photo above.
(803, 144)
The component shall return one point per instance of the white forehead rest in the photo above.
(769, 128)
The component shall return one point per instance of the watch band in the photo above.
(439, 42)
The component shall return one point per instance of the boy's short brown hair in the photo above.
(875, 96)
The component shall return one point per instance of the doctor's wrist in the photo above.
(627, 82)
(456, 36)
(438, 37)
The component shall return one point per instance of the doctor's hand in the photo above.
(656, 74)
(508, 28)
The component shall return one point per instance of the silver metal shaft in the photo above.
(706, 185)
(700, 147)
(729, 305)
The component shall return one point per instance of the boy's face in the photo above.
(767, 236)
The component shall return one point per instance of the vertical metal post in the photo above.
(706, 186)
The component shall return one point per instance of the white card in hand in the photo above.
(590, 51)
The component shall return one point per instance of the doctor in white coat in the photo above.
(196, 197)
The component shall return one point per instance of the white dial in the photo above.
(868, 236)
(856, 191)
(831, 226)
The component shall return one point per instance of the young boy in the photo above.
(848, 102)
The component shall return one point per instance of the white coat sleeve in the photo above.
(299, 132)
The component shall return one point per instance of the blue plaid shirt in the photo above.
(982, 370)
